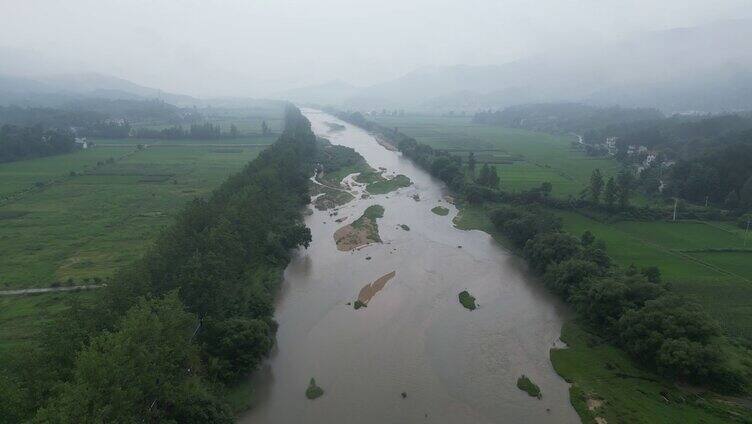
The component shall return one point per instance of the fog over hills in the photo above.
(702, 68)
(705, 68)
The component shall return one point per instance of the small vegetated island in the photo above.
(369, 290)
(525, 384)
(313, 391)
(336, 163)
(376, 183)
(333, 126)
(467, 300)
(362, 231)
(440, 210)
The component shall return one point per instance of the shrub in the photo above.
(467, 300)
(313, 391)
(525, 384)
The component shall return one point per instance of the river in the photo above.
(454, 365)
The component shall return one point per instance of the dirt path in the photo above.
(49, 290)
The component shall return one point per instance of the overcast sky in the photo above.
(256, 47)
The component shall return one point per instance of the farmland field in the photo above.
(80, 229)
(87, 225)
(690, 257)
(523, 159)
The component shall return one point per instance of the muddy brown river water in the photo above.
(455, 365)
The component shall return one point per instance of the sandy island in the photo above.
(361, 232)
(369, 290)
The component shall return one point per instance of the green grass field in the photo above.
(531, 158)
(88, 225)
(720, 281)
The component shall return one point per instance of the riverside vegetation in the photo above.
(627, 310)
(191, 319)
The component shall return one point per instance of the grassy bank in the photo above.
(606, 383)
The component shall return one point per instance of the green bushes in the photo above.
(521, 225)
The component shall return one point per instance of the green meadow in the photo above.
(79, 229)
(523, 159)
(701, 260)
(85, 226)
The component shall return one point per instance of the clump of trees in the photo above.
(205, 131)
(615, 192)
(18, 142)
(195, 314)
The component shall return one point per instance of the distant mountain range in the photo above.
(700, 69)
(705, 68)
(55, 90)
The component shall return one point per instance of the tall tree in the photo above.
(609, 194)
(488, 176)
(624, 188)
(596, 185)
(745, 194)
(264, 128)
(471, 162)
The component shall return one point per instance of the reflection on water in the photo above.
(455, 365)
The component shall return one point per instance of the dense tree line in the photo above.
(712, 152)
(678, 136)
(205, 131)
(194, 315)
(629, 307)
(722, 174)
(18, 143)
(563, 118)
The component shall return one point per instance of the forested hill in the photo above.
(166, 338)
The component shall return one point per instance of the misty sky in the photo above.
(257, 47)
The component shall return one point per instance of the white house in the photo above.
(82, 142)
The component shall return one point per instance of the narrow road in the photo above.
(49, 289)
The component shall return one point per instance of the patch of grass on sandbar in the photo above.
(384, 186)
(440, 210)
(358, 304)
(525, 384)
(467, 300)
(313, 391)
